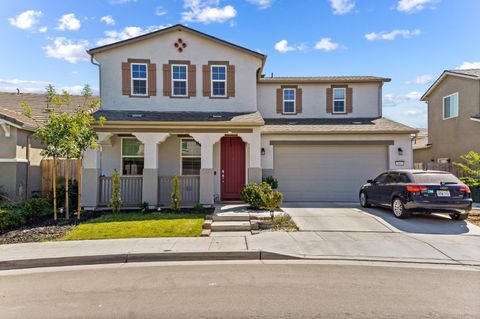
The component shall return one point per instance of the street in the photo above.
(242, 290)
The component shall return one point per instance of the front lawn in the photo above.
(138, 225)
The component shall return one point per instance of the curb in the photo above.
(142, 257)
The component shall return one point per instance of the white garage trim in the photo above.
(306, 143)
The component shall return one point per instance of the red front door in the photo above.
(232, 167)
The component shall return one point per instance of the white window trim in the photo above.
(212, 80)
(131, 156)
(344, 101)
(294, 101)
(186, 156)
(173, 80)
(443, 106)
(142, 79)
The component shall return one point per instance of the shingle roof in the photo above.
(334, 126)
(10, 107)
(155, 116)
(471, 72)
(323, 79)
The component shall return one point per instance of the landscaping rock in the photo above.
(34, 234)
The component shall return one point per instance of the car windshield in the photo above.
(429, 178)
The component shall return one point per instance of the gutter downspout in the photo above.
(99, 77)
(27, 186)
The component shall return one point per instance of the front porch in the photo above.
(209, 165)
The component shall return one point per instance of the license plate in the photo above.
(443, 193)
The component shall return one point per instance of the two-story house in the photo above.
(181, 102)
(453, 118)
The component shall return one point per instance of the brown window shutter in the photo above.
(231, 80)
(206, 80)
(279, 101)
(167, 80)
(192, 80)
(298, 101)
(152, 79)
(126, 86)
(349, 92)
(329, 100)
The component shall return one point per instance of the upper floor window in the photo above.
(139, 79)
(288, 101)
(339, 98)
(132, 156)
(450, 106)
(191, 157)
(179, 80)
(219, 80)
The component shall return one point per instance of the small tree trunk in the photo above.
(67, 169)
(54, 181)
(79, 180)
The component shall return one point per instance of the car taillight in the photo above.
(465, 189)
(416, 188)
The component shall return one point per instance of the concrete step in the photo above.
(207, 224)
(231, 217)
(205, 233)
(231, 226)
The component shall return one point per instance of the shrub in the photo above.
(272, 181)
(199, 208)
(144, 207)
(175, 197)
(251, 193)
(9, 220)
(35, 208)
(116, 200)
(271, 200)
(72, 193)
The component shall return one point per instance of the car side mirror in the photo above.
(370, 181)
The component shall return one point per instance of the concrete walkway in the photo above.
(371, 246)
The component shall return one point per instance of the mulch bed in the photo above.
(35, 234)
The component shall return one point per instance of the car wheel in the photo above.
(458, 216)
(399, 209)
(364, 200)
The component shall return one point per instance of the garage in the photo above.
(327, 172)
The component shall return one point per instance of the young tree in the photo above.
(175, 197)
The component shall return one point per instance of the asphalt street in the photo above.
(242, 290)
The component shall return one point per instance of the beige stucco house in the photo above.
(181, 102)
(453, 118)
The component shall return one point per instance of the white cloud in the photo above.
(26, 20)
(68, 50)
(207, 11)
(469, 65)
(23, 82)
(396, 99)
(160, 11)
(262, 4)
(342, 6)
(392, 35)
(43, 29)
(73, 89)
(282, 46)
(127, 33)
(68, 22)
(423, 79)
(413, 5)
(108, 20)
(326, 44)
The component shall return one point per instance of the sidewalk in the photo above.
(371, 246)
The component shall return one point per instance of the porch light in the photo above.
(400, 151)
(262, 151)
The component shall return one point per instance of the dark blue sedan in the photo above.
(407, 191)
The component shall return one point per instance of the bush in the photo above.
(271, 200)
(199, 208)
(72, 194)
(272, 181)
(115, 200)
(9, 220)
(252, 194)
(35, 208)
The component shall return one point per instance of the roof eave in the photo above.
(312, 81)
(299, 132)
(441, 77)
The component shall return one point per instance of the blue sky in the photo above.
(410, 41)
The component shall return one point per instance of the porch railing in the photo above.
(189, 189)
(130, 190)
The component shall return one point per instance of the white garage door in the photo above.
(326, 173)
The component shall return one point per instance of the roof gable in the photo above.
(472, 74)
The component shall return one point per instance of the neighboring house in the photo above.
(20, 172)
(181, 102)
(453, 118)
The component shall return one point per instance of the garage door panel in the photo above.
(326, 173)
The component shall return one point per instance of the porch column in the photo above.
(90, 179)
(206, 141)
(150, 165)
(254, 163)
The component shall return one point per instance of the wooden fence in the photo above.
(189, 189)
(47, 168)
(447, 167)
(130, 190)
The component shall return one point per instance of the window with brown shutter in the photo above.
(289, 100)
(339, 99)
(139, 78)
(218, 80)
(179, 79)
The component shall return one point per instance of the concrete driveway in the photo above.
(345, 217)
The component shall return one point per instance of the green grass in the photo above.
(138, 225)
